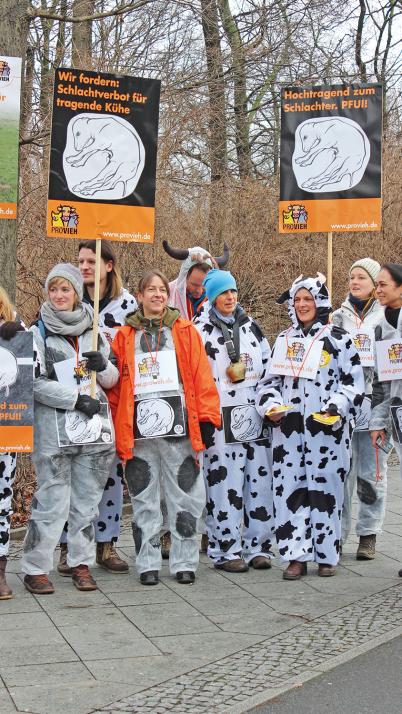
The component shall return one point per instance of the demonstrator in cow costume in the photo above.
(115, 302)
(187, 292)
(9, 326)
(162, 406)
(311, 401)
(237, 462)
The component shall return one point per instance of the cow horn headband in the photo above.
(183, 253)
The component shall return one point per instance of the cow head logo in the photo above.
(395, 353)
(295, 352)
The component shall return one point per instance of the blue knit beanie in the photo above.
(217, 282)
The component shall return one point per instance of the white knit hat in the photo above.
(68, 272)
(369, 265)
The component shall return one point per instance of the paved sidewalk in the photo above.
(223, 645)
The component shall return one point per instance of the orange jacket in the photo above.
(201, 394)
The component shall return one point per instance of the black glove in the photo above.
(207, 432)
(95, 361)
(87, 405)
(332, 409)
(8, 330)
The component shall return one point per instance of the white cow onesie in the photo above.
(310, 460)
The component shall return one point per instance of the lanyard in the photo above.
(77, 370)
(153, 358)
(296, 375)
(364, 311)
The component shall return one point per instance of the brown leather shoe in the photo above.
(166, 543)
(232, 566)
(38, 584)
(5, 591)
(295, 570)
(83, 579)
(326, 571)
(107, 557)
(62, 568)
(204, 543)
(260, 563)
(366, 549)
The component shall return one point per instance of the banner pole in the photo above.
(95, 326)
(329, 265)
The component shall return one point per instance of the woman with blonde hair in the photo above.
(73, 447)
(9, 326)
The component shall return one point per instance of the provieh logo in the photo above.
(395, 353)
(4, 71)
(65, 220)
(295, 217)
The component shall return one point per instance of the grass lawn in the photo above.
(9, 135)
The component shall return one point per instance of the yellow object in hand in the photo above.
(326, 419)
(280, 409)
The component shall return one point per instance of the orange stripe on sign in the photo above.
(77, 219)
(338, 215)
(16, 438)
(8, 210)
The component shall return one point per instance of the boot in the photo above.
(366, 549)
(5, 591)
(38, 584)
(83, 579)
(238, 565)
(204, 543)
(62, 567)
(107, 558)
(166, 543)
(295, 570)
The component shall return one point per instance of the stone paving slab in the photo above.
(217, 646)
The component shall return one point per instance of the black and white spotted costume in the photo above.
(112, 314)
(310, 460)
(239, 518)
(8, 463)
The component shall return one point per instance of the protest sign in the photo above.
(16, 393)
(103, 156)
(330, 170)
(10, 90)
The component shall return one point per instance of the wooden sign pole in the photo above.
(329, 266)
(95, 327)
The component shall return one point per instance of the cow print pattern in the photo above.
(239, 512)
(8, 464)
(310, 461)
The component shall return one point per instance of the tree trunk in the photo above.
(82, 34)
(14, 34)
(217, 138)
(240, 102)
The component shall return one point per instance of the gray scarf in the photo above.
(66, 322)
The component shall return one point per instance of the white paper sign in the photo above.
(296, 357)
(74, 375)
(362, 421)
(156, 373)
(364, 341)
(389, 359)
(76, 429)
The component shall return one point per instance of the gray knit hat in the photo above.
(68, 272)
(369, 265)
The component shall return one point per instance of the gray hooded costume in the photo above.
(72, 454)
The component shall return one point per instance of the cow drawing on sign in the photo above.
(8, 370)
(155, 417)
(103, 155)
(330, 154)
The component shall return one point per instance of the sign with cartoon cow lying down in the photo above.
(16, 393)
(330, 168)
(103, 156)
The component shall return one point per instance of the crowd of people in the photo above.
(215, 433)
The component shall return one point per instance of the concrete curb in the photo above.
(295, 682)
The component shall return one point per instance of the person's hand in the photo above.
(272, 416)
(207, 432)
(95, 361)
(87, 405)
(9, 329)
(378, 433)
